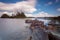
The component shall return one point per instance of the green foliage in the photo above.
(18, 15)
(4, 16)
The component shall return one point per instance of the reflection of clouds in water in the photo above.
(11, 29)
(45, 21)
(0, 38)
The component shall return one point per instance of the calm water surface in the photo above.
(15, 29)
(11, 29)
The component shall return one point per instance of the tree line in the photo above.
(18, 15)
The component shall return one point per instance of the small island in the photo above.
(18, 15)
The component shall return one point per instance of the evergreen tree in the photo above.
(4, 16)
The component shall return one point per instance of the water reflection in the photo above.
(16, 29)
(12, 28)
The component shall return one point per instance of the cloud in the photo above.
(32, 2)
(29, 15)
(58, 9)
(40, 14)
(27, 6)
(48, 3)
(57, 1)
(0, 14)
(44, 14)
(8, 13)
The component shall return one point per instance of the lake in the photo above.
(12, 27)
(15, 29)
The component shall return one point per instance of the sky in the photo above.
(31, 8)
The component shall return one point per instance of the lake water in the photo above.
(15, 29)
(12, 27)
